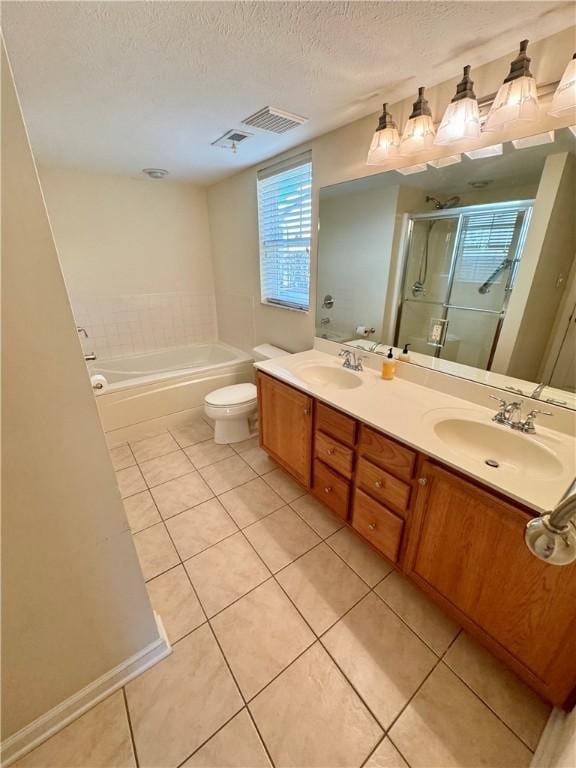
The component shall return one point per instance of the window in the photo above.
(285, 223)
(488, 244)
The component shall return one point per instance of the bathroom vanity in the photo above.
(379, 455)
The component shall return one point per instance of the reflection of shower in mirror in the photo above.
(419, 287)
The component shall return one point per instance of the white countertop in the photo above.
(408, 412)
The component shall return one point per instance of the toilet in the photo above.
(232, 408)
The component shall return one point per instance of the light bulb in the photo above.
(462, 117)
(517, 97)
(564, 98)
(419, 131)
(385, 141)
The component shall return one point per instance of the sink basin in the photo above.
(498, 446)
(327, 375)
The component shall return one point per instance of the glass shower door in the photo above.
(459, 273)
(426, 281)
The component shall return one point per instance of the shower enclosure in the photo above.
(459, 270)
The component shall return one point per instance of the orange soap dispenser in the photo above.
(389, 366)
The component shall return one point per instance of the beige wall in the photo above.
(544, 269)
(336, 156)
(136, 258)
(74, 601)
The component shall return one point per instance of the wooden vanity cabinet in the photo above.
(286, 426)
(467, 551)
(459, 542)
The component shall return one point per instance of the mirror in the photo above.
(471, 264)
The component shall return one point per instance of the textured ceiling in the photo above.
(120, 86)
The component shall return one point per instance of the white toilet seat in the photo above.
(231, 409)
(234, 395)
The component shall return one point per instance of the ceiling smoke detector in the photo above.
(274, 120)
(156, 173)
(231, 139)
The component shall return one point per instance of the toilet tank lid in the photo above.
(267, 352)
(233, 395)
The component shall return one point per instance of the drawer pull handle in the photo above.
(306, 411)
(328, 489)
(331, 451)
(422, 481)
(372, 527)
(379, 484)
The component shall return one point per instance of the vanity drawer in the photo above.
(379, 525)
(386, 453)
(333, 453)
(335, 424)
(382, 485)
(331, 489)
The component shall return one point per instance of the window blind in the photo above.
(285, 226)
(488, 240)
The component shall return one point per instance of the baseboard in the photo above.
(29, 737)
(545, 753)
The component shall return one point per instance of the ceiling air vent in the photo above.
(274, 120)
(231, 139)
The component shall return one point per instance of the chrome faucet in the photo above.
(528, 424)
(538, 391)
(351, 360)
(505, 411)
(508, 411)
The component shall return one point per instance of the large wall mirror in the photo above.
(471, 264)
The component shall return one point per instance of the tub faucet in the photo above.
(90, 356)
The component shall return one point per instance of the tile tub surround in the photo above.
(132, 324)
(406, 411)
(314, 651)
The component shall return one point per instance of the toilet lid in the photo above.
(233, 395)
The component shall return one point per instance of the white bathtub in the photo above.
(154, 384)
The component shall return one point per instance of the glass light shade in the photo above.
(418, 135)
(461, 121)
(515, 100)
(410, 169)
(444, 162)
(564, 98)
(384, 146)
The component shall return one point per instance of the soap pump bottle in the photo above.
(404, 356)
(389, 366)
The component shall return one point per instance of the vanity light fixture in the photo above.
(517, 97)
(386, 140)
(462, 117)
(419, 131)
(534, 141)
(442, 162)
(564, 98)
(410, 169)
(492, 151)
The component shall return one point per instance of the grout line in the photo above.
(397, 749)
(486, 704)
(369, 755)
(132, 739)
(220, 728)
(318, 637)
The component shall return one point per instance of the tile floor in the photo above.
(294, 643)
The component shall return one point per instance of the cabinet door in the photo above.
(286, 426)
(468, 545)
